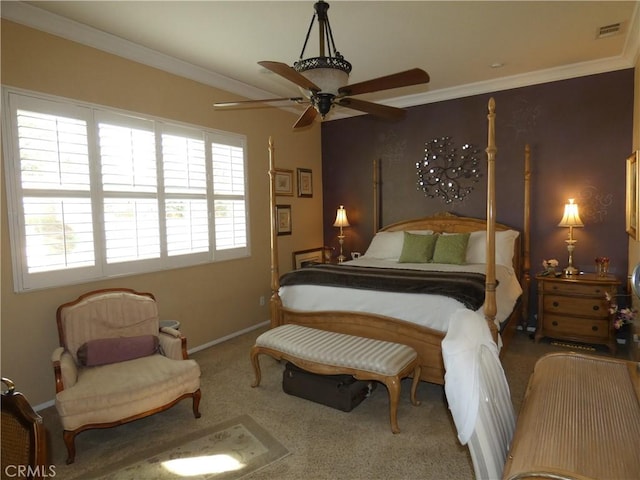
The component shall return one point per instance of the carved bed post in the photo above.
(490, 308)
(275, 303)
(526, 231)
(376, 196)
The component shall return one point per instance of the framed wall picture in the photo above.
(284, 182)
(303, 258)
(305, 182)
(283, 218)
(632, 207)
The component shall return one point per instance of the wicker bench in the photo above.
(580, 419)
(331, 353)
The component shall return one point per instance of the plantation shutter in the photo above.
(229, 195)
(53, 167)
(129, 185)
(95, 193)
(185, 184)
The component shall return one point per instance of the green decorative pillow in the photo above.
(451, 248)
(417, 248)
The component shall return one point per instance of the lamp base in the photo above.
(571, 270)
(341, 258)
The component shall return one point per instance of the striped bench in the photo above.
(331, 353)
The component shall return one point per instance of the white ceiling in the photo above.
(220, 42)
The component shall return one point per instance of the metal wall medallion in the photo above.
(447, 173)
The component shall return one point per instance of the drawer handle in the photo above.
(594, 328)
(554, 323)
(598, 290)
(556, 304)
(596, 308)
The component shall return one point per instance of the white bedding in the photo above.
(432, 311)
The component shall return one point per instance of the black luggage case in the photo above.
(342, 392)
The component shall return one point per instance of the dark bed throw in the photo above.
(466, 287)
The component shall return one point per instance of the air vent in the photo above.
(609, 30)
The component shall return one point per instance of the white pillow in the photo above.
(386, 246)
(477, 247)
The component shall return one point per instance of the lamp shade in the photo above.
(341, 218)
(327, 76)
(571, 218)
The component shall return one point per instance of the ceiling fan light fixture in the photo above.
(329, 70)
(324, 79)
(328, 73)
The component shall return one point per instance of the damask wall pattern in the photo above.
(580, 134)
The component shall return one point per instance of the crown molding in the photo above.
(39, 19)
(59, 26)
(514, 81)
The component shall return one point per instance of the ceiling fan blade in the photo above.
(290, 74)
(402, 79)
(306, 118)
(241, 103)
(372, 108)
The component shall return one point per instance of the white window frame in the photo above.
(15, 99)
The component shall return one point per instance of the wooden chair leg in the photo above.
(69, 441)
(196, 403)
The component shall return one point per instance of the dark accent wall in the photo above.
(580, 133)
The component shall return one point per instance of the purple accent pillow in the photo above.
(103, 351)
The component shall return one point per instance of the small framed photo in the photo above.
(304, 258)
(283, 219)
(305, 182)
(284, 182)
(632, 207)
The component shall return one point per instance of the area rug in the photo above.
(227, 451)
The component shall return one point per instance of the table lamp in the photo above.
(341, 221)
(572, 220)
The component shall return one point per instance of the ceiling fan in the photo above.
(323, 79)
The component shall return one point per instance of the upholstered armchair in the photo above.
(115, 365)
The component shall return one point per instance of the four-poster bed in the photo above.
(507, 275)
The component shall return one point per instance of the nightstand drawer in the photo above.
(576, 306)
(567, 288)
(558, 325)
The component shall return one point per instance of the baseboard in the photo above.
(44, 405)
(227, 337)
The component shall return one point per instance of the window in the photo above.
(94, 193)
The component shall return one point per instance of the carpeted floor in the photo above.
(323, 443)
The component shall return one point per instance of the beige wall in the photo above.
(634, 246)
(212, 301)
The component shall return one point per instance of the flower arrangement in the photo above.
(622, 316)
(549, 266)
(602, 266)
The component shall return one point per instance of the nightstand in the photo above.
(575, 308)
